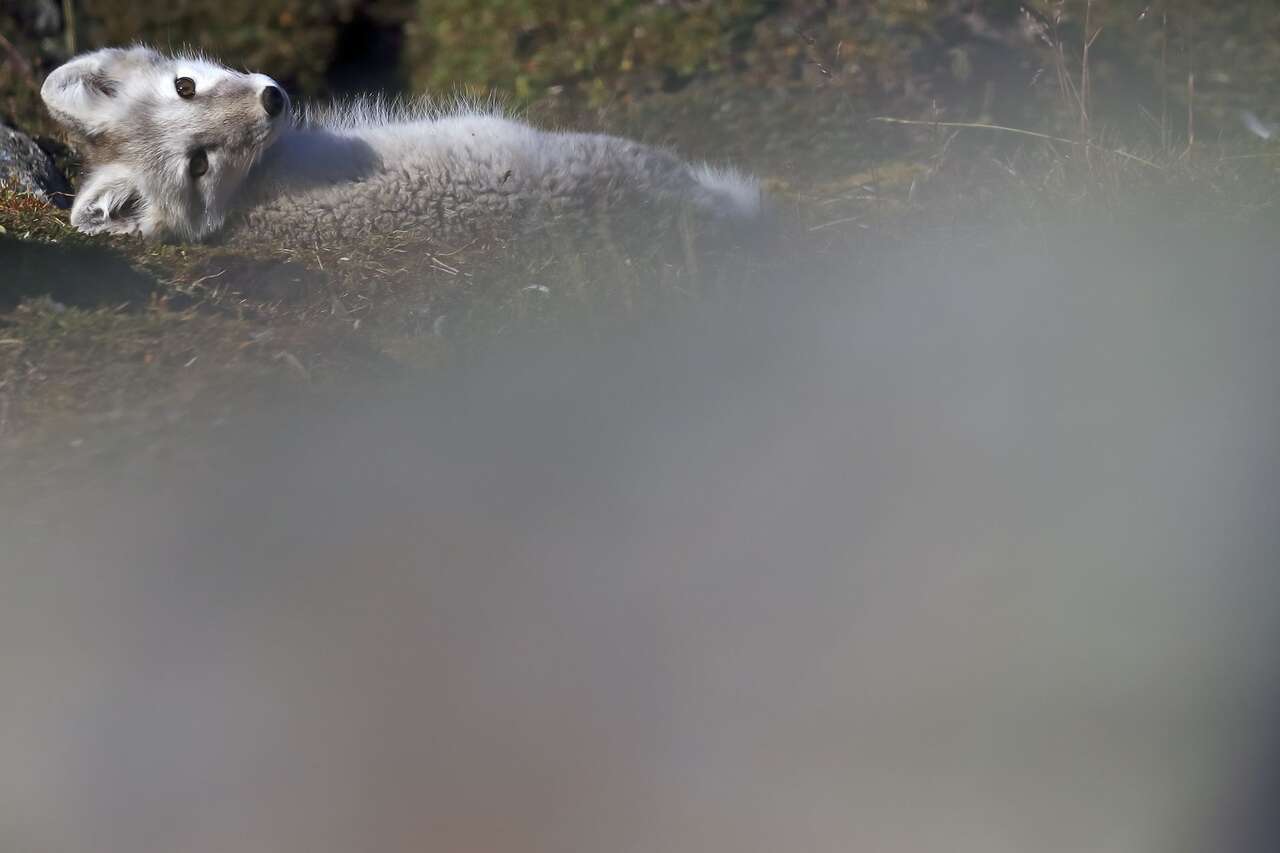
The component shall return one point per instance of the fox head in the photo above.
(168, 140)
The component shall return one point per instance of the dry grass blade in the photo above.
(20, 62)
(1021, 132)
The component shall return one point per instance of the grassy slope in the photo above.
(109, 345)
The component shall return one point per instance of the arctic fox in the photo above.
(181, 148)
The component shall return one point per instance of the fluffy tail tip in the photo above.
(729, 192)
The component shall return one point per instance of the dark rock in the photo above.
(24, 164)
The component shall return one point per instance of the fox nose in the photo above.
(272, 101)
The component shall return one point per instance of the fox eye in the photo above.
(186, 87)
(199, 163)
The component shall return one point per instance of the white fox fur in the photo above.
(180, 147)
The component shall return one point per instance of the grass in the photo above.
(116, 345)
(113, 342)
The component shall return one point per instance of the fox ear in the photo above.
(109, 202)
(84, 94)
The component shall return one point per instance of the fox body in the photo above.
(180, 147)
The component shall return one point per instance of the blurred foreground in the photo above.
(978, 555)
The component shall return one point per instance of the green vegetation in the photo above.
(530, 46)
(934, 55)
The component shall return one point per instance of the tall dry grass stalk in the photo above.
(69, 26)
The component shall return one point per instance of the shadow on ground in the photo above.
(77, 276)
